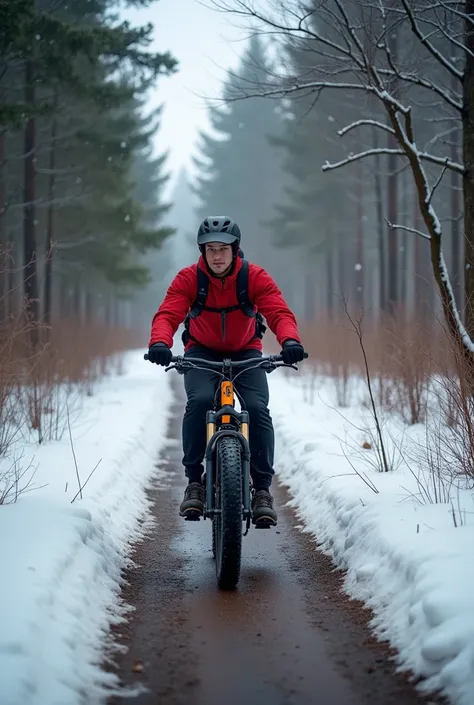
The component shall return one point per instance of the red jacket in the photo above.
(206, 328)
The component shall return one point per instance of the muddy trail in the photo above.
(286, 636)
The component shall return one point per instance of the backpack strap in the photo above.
(243, 290)
(245, 304)
(199, 303)
(201, 294)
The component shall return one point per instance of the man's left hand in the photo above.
(292, 352)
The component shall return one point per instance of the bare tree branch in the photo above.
(448, 65)
(358, 123)
(439, 28)
(408, 229)
(446, 163)
(424, 83)
(438, 181)
(451, 7)
(361, 155)
(310, 87)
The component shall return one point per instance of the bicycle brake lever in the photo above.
(268, 365)
(180, 366)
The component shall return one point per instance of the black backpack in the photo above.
(244, 304)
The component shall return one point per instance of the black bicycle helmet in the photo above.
(219, 228)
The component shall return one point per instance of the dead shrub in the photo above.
(16, 480)
(409, 362)
(453, 390)
(65, 369)
(13, 332)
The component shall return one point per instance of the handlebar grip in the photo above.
(173, 359)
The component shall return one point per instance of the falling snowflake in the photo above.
(358, 267)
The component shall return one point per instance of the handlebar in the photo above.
(269, 361)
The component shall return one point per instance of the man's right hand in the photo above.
(160, 354)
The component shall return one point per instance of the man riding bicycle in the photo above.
(222, 300)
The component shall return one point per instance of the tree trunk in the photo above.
(380, 224)
(48, 268)
(341, 290)
(3, 244)
(456, 243)
(403, 245)
(468, 158)
(359, 254)
(13, 275)
(455, 198)
(422, 273)
(64, 308)
(393, 239)
(77, 300)
(463, 342)
(330, 279)
(392, 198)
(30, 264)
(89, 306)
(309, 297)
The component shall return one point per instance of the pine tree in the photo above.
(88, 76)
(316, 219)
(239, 171)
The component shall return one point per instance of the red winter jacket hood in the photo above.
(206, 329)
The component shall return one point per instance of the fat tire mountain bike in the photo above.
(226, 479)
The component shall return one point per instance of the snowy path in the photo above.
(61, 562)
(286, 636)
(407, 561)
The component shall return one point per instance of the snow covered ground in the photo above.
(61, 561)
(405, 558)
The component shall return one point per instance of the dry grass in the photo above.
(400, 354)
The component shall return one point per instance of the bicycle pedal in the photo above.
(192, 516)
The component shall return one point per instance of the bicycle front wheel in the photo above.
(228, 521)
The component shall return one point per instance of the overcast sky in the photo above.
(206, 44)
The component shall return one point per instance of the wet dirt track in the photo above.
(286, 636)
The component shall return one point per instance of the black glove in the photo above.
(160, 354)
(292, 352)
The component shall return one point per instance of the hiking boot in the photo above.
(192, 506)
(263, 513)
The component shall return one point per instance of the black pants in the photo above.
(252, 386)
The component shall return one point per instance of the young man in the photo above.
(222, 299)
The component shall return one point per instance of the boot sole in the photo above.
(264, 522)
(191, 514)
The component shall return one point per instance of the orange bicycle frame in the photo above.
(227, 399)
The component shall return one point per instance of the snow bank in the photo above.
(61, 562)
(406, 561)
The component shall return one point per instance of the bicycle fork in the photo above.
(212, 438)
